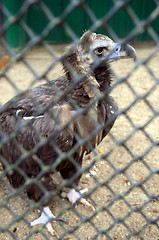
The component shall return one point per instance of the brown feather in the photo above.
(28, 119)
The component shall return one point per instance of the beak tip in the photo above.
(130, 51)
(135, 58)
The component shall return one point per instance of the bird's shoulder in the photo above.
(35, 100)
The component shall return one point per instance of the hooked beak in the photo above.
(123, 51)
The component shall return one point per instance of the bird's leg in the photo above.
(74, 196)
(46, 218)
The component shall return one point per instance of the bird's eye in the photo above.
(99, 51)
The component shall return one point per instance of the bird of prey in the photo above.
(50, 127)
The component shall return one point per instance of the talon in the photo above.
(86, 203)
(74, 197)
(61, 220)
(51, 230)
(46, 218)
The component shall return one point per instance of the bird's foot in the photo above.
(74, 197)
(46, 218)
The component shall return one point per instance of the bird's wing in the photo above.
(31, 129)
(108, 113)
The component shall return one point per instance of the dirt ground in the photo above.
(137, 207)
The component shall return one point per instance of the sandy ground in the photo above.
(120, 206)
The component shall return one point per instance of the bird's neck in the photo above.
(91, 83)
(103, 77)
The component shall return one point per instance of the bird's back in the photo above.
(30, 127)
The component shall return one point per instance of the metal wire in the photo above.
(141, 219)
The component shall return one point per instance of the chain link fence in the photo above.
(121, 173)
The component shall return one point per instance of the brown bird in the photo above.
(37, 135)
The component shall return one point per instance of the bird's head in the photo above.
(90, 59)
(99, 48)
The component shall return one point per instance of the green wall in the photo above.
(78, 20)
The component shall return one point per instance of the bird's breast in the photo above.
(86, 123)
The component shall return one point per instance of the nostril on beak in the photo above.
(117, 49)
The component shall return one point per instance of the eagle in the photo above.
(48, 128)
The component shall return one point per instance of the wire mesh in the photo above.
(121, 173)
